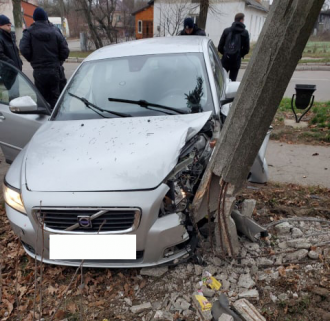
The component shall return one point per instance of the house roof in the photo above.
(256, 5)
(150, 3)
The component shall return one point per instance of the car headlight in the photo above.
(13, 198)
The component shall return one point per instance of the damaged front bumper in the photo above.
(159, 240)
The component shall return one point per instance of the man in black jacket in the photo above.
(234, 45)
(9, 53)
(8, 49)
(44, 46)
(190, 29)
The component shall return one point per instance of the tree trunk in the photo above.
(62, 10)
(18, 21)
(280, 46)
(203, 10)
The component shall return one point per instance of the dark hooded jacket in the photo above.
(196, 32)
(8, 49)
(44, 46)
(237, 27)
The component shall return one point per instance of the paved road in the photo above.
(296, 164)
(319, 78)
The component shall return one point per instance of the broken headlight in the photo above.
(184, 179)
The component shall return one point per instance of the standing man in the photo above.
(191, 29)
(234, 45)
(44, 46)
(8, 49)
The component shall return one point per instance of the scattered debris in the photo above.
(248, 311)
(140, 308)
(155, 271)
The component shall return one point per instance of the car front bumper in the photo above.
(159, 240)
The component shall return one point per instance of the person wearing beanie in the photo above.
(44, 46)
(8, 48)
(191, 29)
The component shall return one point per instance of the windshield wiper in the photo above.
(90, 105)
(146, 104)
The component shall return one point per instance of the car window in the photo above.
(174, 80)
(13, 84)
(217, 71)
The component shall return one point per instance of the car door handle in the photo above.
(2, 117)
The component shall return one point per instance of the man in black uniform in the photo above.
(9, 53)
(44, 46)
(191, 29)
(8, 49)
(234, 45)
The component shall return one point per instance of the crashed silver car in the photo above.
(123, 151)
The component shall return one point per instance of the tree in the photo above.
(18, 20)
(281, 43)
(203, 11)
(173, 13)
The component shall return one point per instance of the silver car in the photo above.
(122, 153)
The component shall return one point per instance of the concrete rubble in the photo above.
(226, 317)
(245, 280)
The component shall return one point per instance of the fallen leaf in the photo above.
(60, 314)
(143, 283)
(282, 271)
(51, 290)
(9, 305)
(72, 307)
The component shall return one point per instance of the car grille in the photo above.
(112, 220)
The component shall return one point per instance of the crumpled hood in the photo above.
(108, 154)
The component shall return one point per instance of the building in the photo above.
(28, 9)
(144, 21)
(169, 16)
(323, 22)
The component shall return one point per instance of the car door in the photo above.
(217, 72)
(16, 130)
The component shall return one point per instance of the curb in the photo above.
(305, 66)
(74, 59)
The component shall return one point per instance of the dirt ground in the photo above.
(292, 290)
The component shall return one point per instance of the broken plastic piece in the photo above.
(210, 281)
(205, 305)
(221, 306)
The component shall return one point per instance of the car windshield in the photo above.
(135, 86)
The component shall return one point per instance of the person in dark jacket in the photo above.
(191, 29)
(237, 29)
(8, 49)
(9, 53)
(44, 46)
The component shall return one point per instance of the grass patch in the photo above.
(80, 54)
(313, 49)
(317, 132)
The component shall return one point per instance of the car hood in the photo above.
(108, 154)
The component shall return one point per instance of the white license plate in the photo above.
(92, 247)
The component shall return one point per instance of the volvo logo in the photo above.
(85, 221)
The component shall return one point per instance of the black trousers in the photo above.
(231, 68)
(48, 83)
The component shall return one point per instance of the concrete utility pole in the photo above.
(280, 46)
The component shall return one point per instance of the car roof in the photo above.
(157, 45)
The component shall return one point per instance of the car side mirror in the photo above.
(25, 105)
(231, 89)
